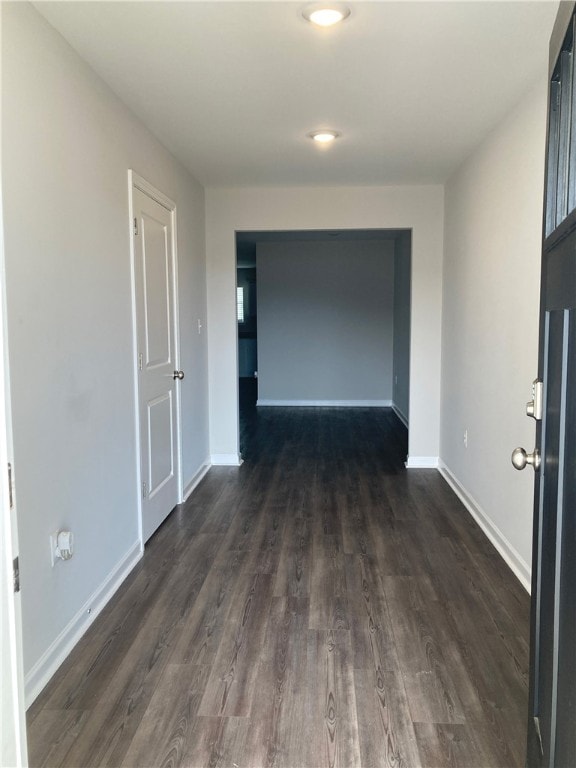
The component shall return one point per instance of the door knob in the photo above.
(520, 458)
(178, 375)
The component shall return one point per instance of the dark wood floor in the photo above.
(318, 606)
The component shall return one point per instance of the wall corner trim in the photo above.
(197, 478)
(62, 646)
(422, 462)
(226, 459)
(515, 562)
(403, 418)
(326, 403)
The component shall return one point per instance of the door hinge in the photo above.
(16, 574)
(140, 361)
(144, 490)
(10, 486)
(135, 226)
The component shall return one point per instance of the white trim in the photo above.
(145, 186)
(13, 742)
(401, 416)
(175, 299)
(422, 462)
(193, 484)
(513, 559)
(132, 177)
(328, 403)
(226, 459)
(60, 649)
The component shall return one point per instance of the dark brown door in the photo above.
(552, 716)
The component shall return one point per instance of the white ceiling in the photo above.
(232, 88)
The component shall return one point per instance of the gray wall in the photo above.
(68, 143)
(254, 209)
(325, 321)
(402, 271)
(493, 228)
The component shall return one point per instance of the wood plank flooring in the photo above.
(318, 606)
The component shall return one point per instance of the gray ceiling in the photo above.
(232, 88)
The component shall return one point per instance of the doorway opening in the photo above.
(247, 319)
(323, 321)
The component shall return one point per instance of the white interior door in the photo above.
(156, 333)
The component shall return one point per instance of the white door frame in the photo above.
(137, 182)
(13, 744)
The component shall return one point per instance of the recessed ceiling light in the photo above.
(324, 137)
(325, 15)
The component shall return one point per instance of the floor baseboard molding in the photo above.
(515, 562)
(422, 462)
(192, 485)
(60, 649)
(401, 416)
(226, 459)
(327, 403)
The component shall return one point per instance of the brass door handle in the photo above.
(520, 458)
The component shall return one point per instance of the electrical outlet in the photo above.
(61, 546)
(465, 440)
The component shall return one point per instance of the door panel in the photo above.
(553, 673)
(160, 419)
(560, 275)
(549, 500)
(566, 717)
(154, 270)
(157, 294)
(552, 720)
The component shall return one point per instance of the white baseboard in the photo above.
(60, 649)
(329, 403)
(422, 462)
(226, 459)
(401, 416)
(515, 562)
(195, 480)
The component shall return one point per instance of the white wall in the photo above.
(325, 321)
(490, 323)
(254, 209)
(68, 143)
(402, 269)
